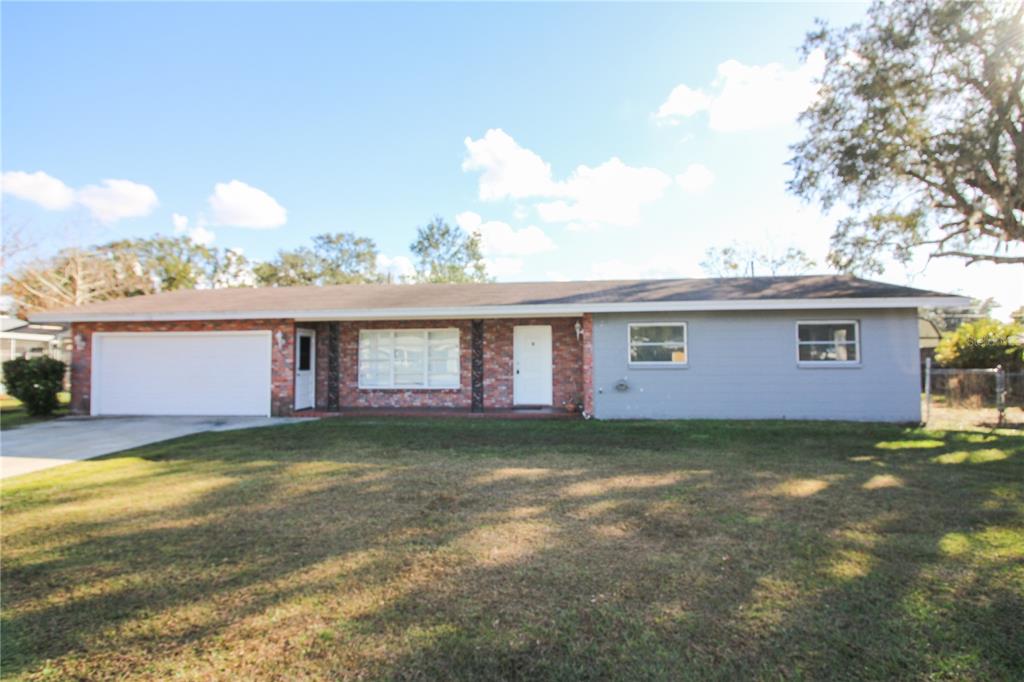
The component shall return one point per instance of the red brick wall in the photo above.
(352, 396)
(282, 358)
(567, 356)
(567, 353)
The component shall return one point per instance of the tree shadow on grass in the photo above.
(662, 552)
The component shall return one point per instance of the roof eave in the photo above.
(530, 310)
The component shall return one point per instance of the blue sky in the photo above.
(581, 140)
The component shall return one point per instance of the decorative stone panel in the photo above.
(588, 364)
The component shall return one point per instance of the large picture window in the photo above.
(828, 342)
(658, 344)
(409, 358)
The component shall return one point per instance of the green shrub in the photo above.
(35, 383)
(983, 345)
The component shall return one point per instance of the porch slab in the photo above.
(540, 413)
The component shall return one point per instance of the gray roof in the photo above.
(19, 326)
(9, 324)
(373, 297)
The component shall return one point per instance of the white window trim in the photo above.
(426, 364)
(827, 363)
(659, 364)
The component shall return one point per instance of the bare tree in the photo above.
(13, 242)
(75, 277)
(738, 261)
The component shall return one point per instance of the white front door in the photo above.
(531, 355)
(305, 369)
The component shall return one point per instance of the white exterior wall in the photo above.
(743, 365)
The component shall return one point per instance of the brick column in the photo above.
(588, 364)
(81, 367)
(282, 369)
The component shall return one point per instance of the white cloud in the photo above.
(202, 236)
(39, 188)
(501, 239)
(240, 205)
(748, 97)
(611, 193)
(113, 200)
(507, 169)
(681, 103)
(108, 202)
(504, 267)
(398, 267)
(198, 232)
(655, 267)
(696, 178)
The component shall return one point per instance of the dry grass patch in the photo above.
(419, 549)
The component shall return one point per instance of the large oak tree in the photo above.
(919, 128)
(336, 258)
(447, 254)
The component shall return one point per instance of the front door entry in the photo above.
(531, 355)
(305, 369)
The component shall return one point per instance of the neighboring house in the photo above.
(21, 339)
(813, 347)
(930, 336)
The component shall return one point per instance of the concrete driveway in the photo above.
(48, 444)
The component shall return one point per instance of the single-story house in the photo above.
(809, 347)
(22, 339)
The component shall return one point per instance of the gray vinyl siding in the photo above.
(743, 365)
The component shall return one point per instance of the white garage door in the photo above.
(181, 373)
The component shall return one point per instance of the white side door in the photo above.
(531, 354)
(305, 369)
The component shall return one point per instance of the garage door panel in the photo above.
(182, 373)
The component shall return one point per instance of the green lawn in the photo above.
(13, 414)
(468, 549)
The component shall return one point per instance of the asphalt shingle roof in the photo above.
(411, 296)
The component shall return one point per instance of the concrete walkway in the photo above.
(48, 444)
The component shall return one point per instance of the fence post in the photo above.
(927, 389)
(1001, 393)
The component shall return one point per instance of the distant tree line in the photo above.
(135, 267)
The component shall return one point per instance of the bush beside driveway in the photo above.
(458, 549)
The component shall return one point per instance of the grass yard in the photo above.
(13, 414)
(466, 549)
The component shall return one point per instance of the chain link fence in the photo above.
(991, 396)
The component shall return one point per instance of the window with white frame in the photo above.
(409, 358)
(658, 344)
(826, 342)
